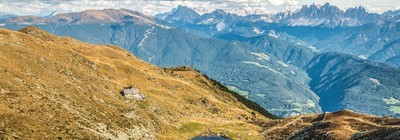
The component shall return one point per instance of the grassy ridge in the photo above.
(250, 104)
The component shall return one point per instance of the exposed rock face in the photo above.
(132, 93)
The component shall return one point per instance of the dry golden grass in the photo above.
(341, 125)
(57, 87)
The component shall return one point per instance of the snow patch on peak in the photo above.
(266, 19)
(375, 81)
(314, 49)
(364, 57)
(257, 31)
(244, 11)
(207, 21)
(220, 26)
(163, 26)
(273, 34)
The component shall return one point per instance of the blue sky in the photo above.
(45, 7)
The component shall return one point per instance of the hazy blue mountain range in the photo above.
(325, 27)
(241, 66)
(282, 48)
(286, 68)
(318, 25)
(6, 15)
(344, 81)
(326, 15)
(181, 15)
(375, 41)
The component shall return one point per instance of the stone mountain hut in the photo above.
(130, 92)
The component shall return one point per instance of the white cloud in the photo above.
(44, 7)
(373, 9)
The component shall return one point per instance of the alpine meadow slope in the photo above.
(242, 67)
(61, 88)
(272, 59)
(57, 87)
(316, 72)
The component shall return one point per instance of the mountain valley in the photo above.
(60, 88)
(262, 57)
